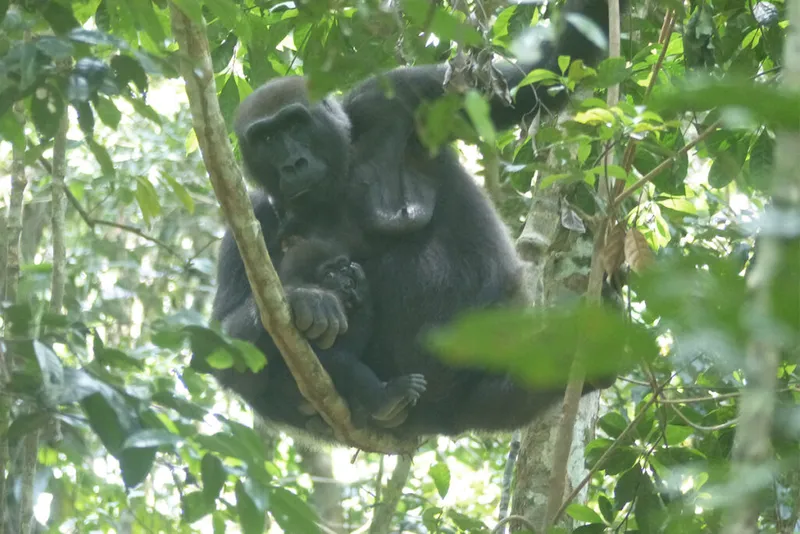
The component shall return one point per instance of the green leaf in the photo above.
(107, 112)
(126, 70)
(59, 16)
(151, 437)
(147, 198)
(230, 15)
(761, 167)
(101, 155)
(291, 512)
(192, 9)
(220, 359)
(611, 71)
(25, 424)
(214, 476)
(613, 424)
(147, 20)
(110, 418)
(50, 366)
(440, 474)
(651, 154)
(479, 113)
(581, 512)
(11, 130)
(117, 358)
(250, 517)
(56, 47)
(563, 63)
(194, 507)
(136, 465)
(180, 192)
(537, 345)
(768, 104)
(628, 486)
(677, 434)
(445, 24)
(606, 508)
(254, 359)
(538, 75)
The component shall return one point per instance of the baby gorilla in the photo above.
(313, 261)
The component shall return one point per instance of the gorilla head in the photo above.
(291, 148)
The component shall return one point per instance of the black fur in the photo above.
(432, 245)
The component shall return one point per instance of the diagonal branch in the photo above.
(215, 147)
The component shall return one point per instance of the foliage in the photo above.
(133, 440)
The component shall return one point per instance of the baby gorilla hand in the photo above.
(346, 279)
(318, 313)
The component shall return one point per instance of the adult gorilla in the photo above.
(435, 246)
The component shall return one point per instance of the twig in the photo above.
(384, 510)
(663, 39)
(91, 222)
(664, 164)
(607, 454)
(508, 476)
(701, 428)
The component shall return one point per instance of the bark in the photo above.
(556, 269)
(58, 214)
(385, 509)
(752, 447)
(212, 136)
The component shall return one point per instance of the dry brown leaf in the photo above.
(637, 251)
(613, 251)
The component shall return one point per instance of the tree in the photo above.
(664, 192)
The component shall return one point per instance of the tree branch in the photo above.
(212, 136)
(384, 510)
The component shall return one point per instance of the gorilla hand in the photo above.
(318, 313)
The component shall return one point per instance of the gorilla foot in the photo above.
(401, 392)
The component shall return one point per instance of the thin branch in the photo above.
(663, 39)
(618, 442)
(647, 178)
(508, 476)
(384, 510)
(59, 208)
(91, 222)
(701, 428)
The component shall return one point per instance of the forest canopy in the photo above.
(654, 209)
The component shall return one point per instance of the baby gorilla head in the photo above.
(297, 152)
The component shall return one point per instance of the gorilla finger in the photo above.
(303, 316)
(336, 312)
(318, 327)
(327, 339)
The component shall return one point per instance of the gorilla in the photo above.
(429, 241)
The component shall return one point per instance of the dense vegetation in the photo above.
(684, 191)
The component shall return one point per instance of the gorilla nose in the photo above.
(299, 165)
